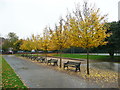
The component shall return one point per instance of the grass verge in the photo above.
(9, 77)
(92, 57)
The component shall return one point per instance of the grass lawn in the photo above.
(92, 57)
(78, 56)
(9, 77)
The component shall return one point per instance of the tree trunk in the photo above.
(45, 55)
(37, 52)
(88, 62)
(60, 58)
(111, 54)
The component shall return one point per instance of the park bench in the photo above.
(54, 61)
(25, 55)
(29, 56)
(34, 57)
(41, 59)
(72, 64)
(22, 55)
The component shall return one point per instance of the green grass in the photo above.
(9, 77)
(92, 57)
(78, 56)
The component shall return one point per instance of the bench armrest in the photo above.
(65, 63)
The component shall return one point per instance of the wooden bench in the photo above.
(41, 59)
(72, 64)
(54, 61)
(28, 56)
(34, 57)
(24, 55)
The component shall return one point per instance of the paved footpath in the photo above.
(37, 76)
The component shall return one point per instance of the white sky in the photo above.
(26, 17)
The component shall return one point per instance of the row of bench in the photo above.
(54, 62)
(41, 59)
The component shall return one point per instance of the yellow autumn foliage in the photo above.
(89, 32)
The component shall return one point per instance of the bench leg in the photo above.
(76, 69)
(41, 61)
(65, 67)
(55, 64)
(79, 69)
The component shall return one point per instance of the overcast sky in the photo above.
(26, 17)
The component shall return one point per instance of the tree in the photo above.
(34, 42)
(44, 42)
(59, 39)
(9, 42)
(5, 45)
(114, 40)
(17, 44)
(30, 43)
(12, 36)
(1, 43)
(87, 29)
(26, 45)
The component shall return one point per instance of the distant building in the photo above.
(119, 10)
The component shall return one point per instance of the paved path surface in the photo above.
(37, 76)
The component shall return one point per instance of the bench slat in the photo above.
(72, 64)
(54, 61)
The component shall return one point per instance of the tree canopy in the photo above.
(9, 41)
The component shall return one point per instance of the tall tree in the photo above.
(114, 40)
(5, 45)
(31, 43)
(26, 45)
(12, 36)
(44, 41)
(9, 42)
(17, 44)
(88, 29)
(59, 39)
